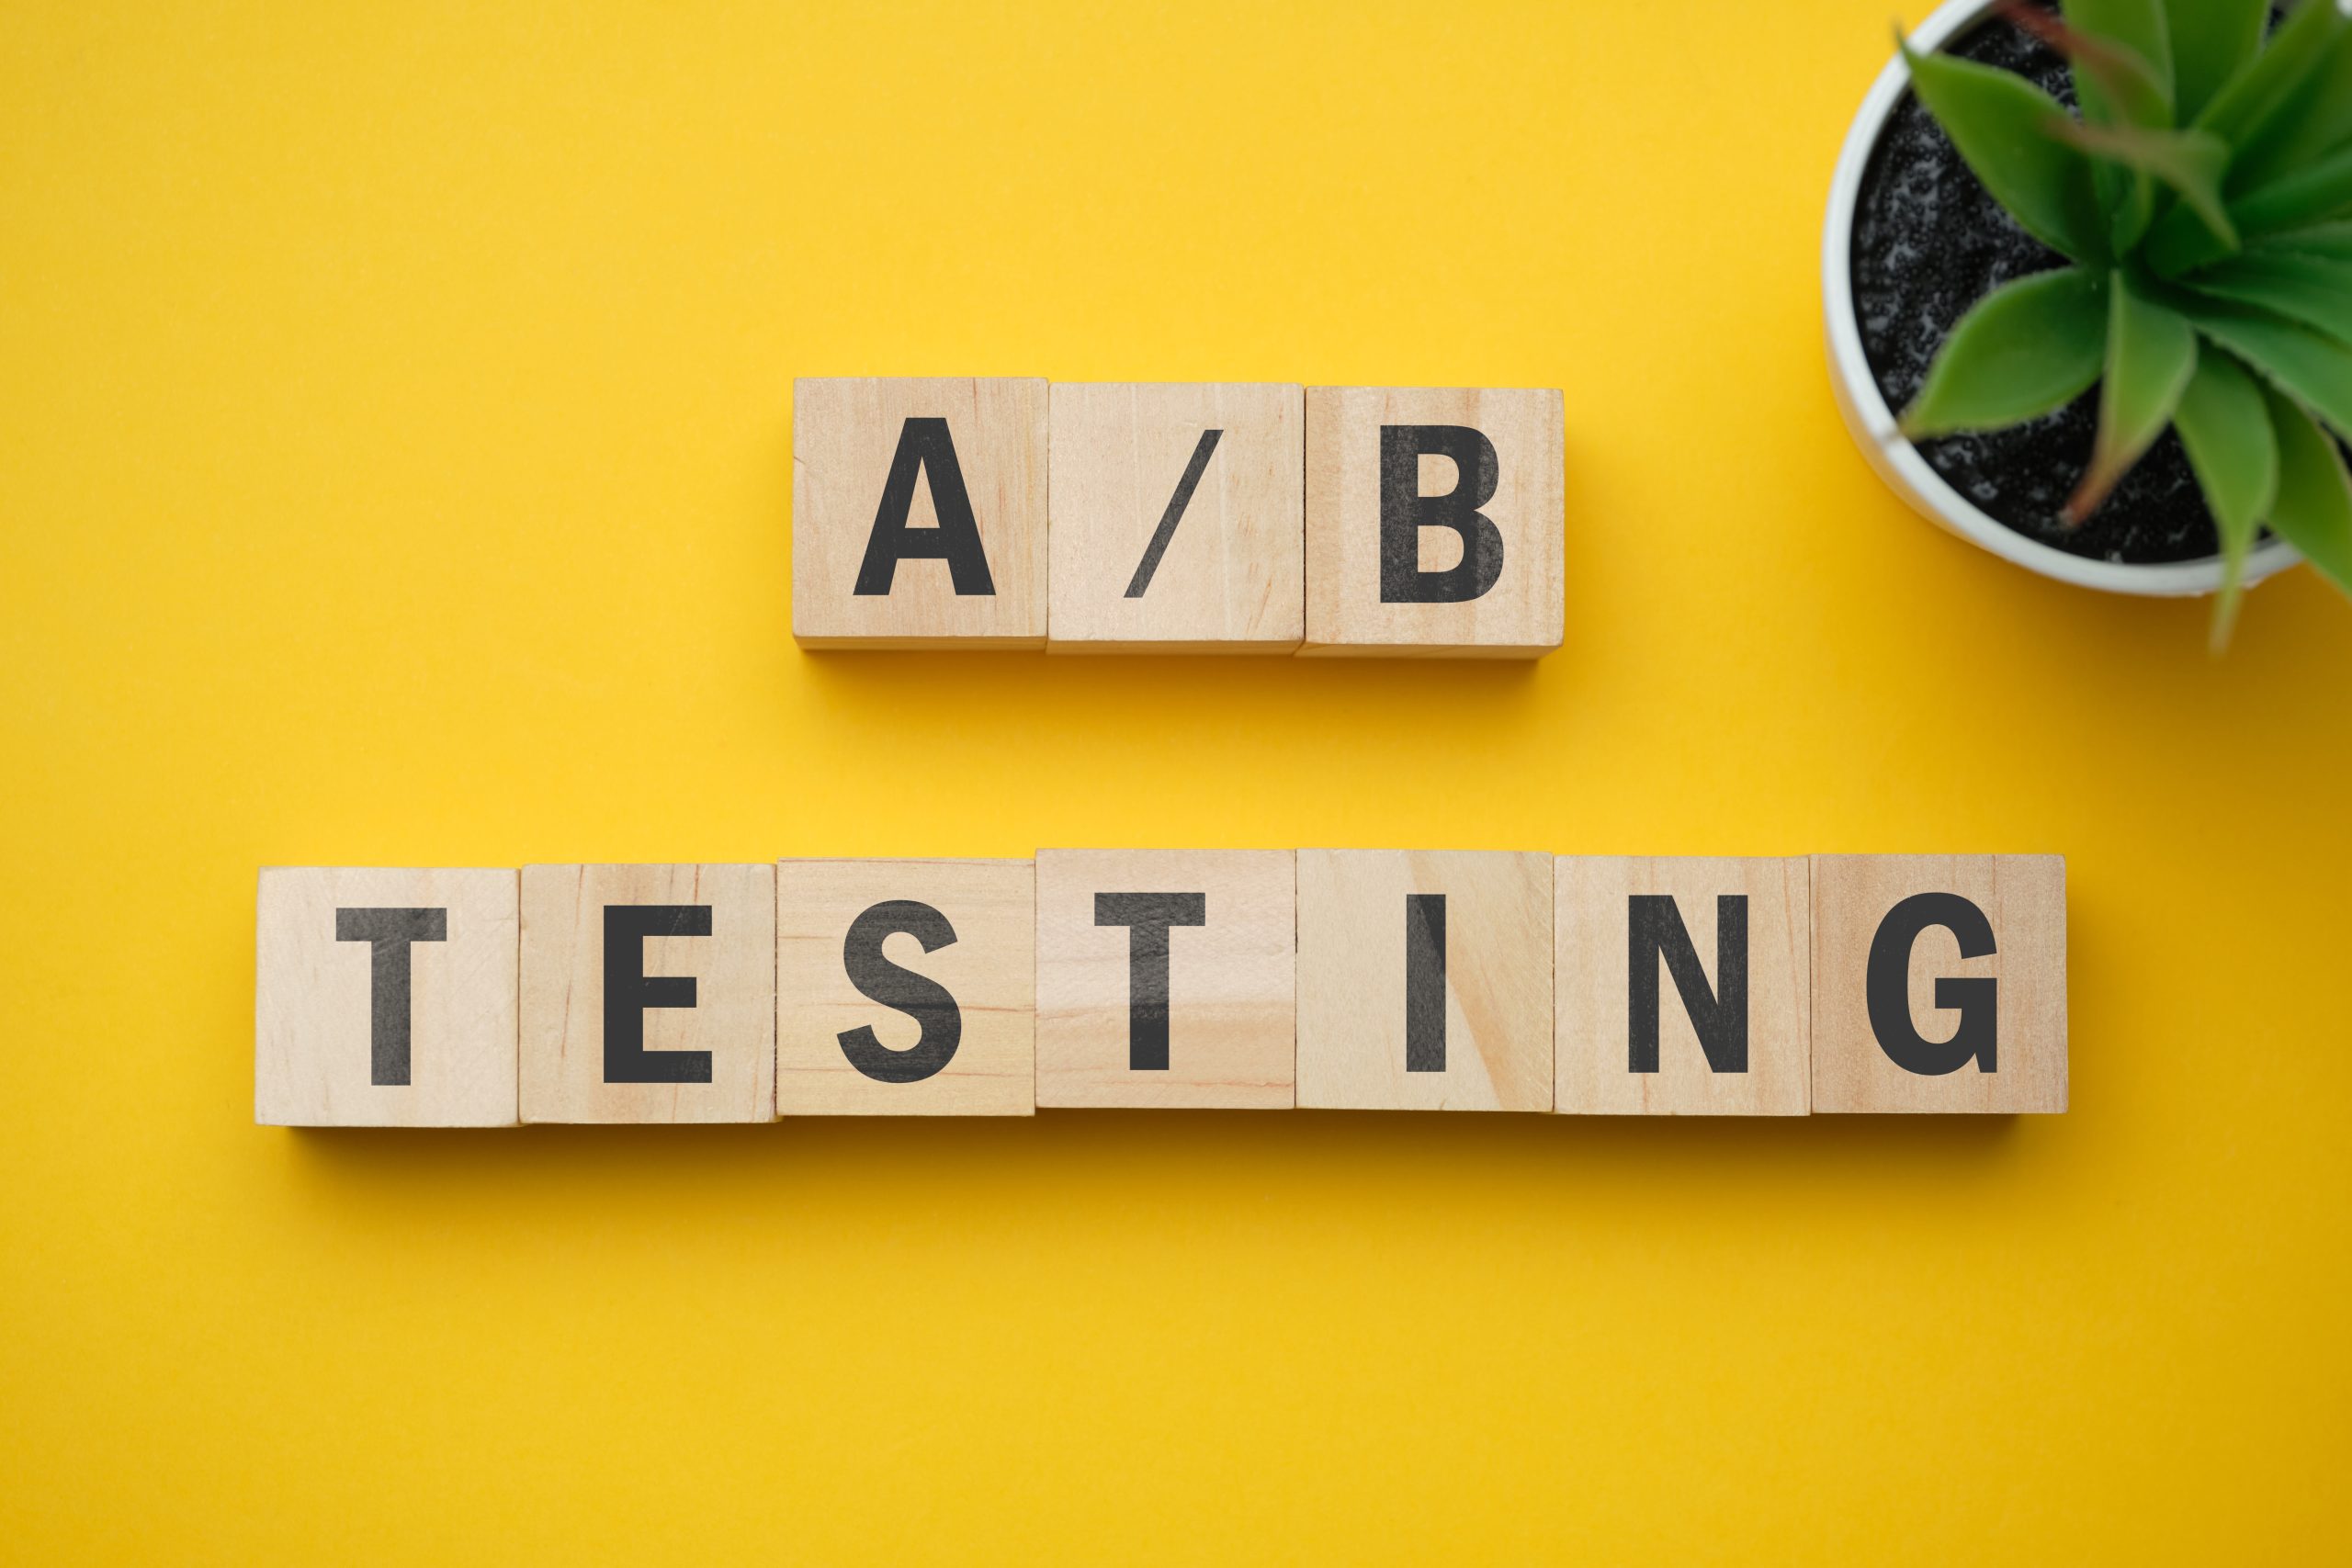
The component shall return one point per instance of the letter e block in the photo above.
(1940, 983)
(384, 997)
(919, 513)
(1178, 518)
(1424, 980)
(649, 993)
(1682, 986)
(1167, 978)
(1434, 520)
(906, 988)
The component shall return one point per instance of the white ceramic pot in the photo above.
(1872, 423)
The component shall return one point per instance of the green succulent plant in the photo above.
(2204, 198)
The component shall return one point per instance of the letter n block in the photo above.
(649, 993)
(1940, 983)
(1434, 520)
(1178, 518)
(906, 988)
(1167, 978)
(384, 997)
(1682, 987)
(1424, 980)
(919, 513)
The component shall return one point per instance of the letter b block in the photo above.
(649, 993)
(1940, 983)
(919, 513)
(1433, 520)
(384, 997)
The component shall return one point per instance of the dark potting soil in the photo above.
(1928, 243)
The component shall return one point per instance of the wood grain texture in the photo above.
(990, 967)
(1592, 987)
(1522, 615)
(2024, 899)
(732, 1018)
(1231, 578)
(1352, 1006)
(1232, 1013)
(845, 433)
(313, 1014)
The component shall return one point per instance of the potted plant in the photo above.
(2090, 287)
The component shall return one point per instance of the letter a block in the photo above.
(384, 997)
(1167, 978)
(919, 513)
(1940, 983)
(906, 988)
(1433, 520)
(649, 993)
(1178, 518)
(1682, 986)
(1424, 980)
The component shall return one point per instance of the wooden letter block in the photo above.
(384, 998)
(1433, 520)
(649, 993)
(1178, 518)
(1940, 983)
(906, 988)
(1167, 978)
(919, 513)
(1680, 986)
(1424, 980)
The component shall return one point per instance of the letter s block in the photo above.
(1940, 983)
(1434, 520)
(384, 997)
(919, 513)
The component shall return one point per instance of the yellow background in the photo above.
(394, 461)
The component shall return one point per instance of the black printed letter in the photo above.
(1654, 929)
(1887, 987)
(1149, 917)
(630, 990)
(1404, 512)
(1425, 982)
(920, 997)
(924, 444)
(388, 933)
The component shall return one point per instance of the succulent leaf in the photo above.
(2211, 42)
(1997, 119)
(2189, 162)
(2313, 369)
(2313, 289)
(2320, 239)
(2150, 354)
(2313, 510)
(2225, 427)
(2244, 107)
(2315, 122)
(2028, 348)
(2312, 195)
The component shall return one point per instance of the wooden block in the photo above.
(1179, 517)
(1424, 980)
(1166, 977)
(384, 997)
(906, 988)
(1719, 954)
(1433, 520)
(919, 513)
(649, 993)
(1940, 983)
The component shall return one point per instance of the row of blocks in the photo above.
(1157, 518)
(1198, 978)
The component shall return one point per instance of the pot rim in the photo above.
(1872, 423)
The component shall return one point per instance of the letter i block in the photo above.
(1682, 987)
(384, 997)
(649, 993)
(1940, 983)
(1178, 518)
(1434, 520)
(919, 513)
(1424, 980)
(906, 988)
(1167, 978)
